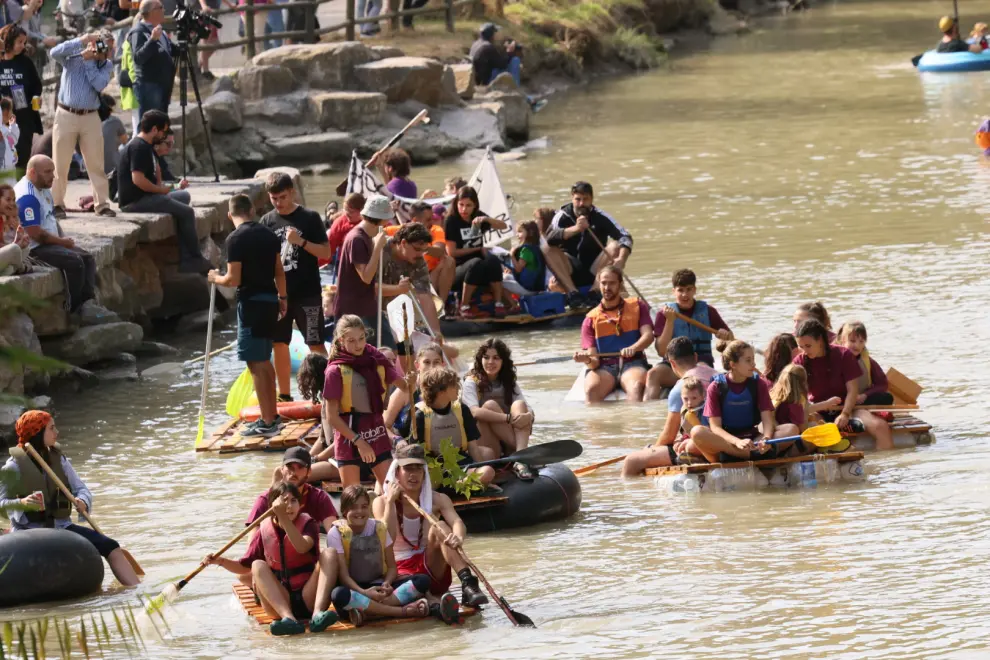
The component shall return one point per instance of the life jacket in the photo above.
(533, 280)
(441, 427)
(364, 555)
(346, 397)
(740, 410)
(616, 329)
(290, 567)
(33, 479)
(865, 379)
(702, 340)
(691, 417)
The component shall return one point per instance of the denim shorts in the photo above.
(613, 369)
(256, 318)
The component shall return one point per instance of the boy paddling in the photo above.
(254, 266)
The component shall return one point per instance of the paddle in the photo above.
(422, 316)
(206, 365)
(517, 618)
(421, 118)
(588, 469)
(825, 435)
(171, 592)
(559, 358)
(381, 276)
(174, 368)
(916, 59)
(557, 451)
(32, 452)
(240, 393)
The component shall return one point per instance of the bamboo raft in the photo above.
(247, 600)
(227, 438)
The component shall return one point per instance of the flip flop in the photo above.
(356, 617)
(418, 609)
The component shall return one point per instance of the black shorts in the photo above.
(300, 612)
(613, 369)
(580, 273)
(307, 312)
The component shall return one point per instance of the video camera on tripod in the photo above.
(191, 26)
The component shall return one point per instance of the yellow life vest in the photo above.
(865, 379)
(347, 375)
(429, 416)
(347, 536)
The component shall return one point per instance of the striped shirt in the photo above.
(82, 80)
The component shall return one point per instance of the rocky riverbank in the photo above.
(139, 290)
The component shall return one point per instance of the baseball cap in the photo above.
(297, 455)
(945, 23)
(378, 208)
(488, 28)
(410, 453)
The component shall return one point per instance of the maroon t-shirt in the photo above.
(256, 548)
(315, 502)
(353, 295)
(714, 319)
(713, 404)
(790, 413)
(827, 376)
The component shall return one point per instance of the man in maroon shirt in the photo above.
(295, 468)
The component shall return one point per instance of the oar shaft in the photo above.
(230, 544)
(559, 358)
(58, 482)
(426, 322)
(891, 408)
(625, 277)
(591, 468)
(206, 353)
(213, 354)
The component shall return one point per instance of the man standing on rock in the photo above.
(254, 266)
(36, 211)
(303, 243)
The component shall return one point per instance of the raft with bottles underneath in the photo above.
(553, 494)
(935, 62)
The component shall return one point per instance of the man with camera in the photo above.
(86, 71)
(154, 63)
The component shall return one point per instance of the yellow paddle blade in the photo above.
(199, 431)
(824, 435)
(240, 393)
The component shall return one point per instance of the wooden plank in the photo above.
(843, 457)
(903, 388)
(207, 444)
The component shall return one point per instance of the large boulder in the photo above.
(477, 127)
(317, 148)
(463, 80)
(346, 110)
(286, 110)
(259, 82)
(448, 83)
(140, 266)
(50, 317)
(514, 110)
(225, 112)
(403, 78)
(321, 65)
(429, 144)
(182, 293)
(96, 342)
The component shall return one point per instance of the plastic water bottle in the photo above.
(802, 475)
(852, 472)
(727, 480)
(679, 483)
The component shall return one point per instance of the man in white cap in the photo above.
(359, 256)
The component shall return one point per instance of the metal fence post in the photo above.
(249, 28)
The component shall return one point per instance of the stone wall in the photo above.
(316, 103)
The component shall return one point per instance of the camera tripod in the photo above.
(187, 72)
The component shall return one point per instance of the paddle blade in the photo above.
(521, 619)
(240, 393)
(549, 452)
(825, 435)
(200, 430)
(133, 562)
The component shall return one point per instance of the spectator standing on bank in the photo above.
(154, 66)
(20, 82)
(86, 71)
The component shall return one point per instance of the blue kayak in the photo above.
(935, 62)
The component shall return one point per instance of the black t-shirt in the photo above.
(256, 248)
(302, 271)
(954, 46)
(137, 156)
(465, 235)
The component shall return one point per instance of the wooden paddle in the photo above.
(905, 407)
(206, 367)
(545, 454)
(517, 618)
(588, 469)
(825, 435)
(421, 118)
(72, 498)
(170, 592)
(174, 368)
(560, 358)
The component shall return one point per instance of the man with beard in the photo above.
(620, 327)
(583, 254)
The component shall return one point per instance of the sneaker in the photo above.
(536, 106)
(471, 313)
(284, 398)
(471, 595)
(59, 213)
(261, 430)
(500, 312)
(107, 212)
(594, 298)
(448, 610)
(575, 300)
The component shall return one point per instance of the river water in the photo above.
(806, 160)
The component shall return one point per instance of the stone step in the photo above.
(331, 145)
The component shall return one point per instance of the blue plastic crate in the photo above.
(543, 304)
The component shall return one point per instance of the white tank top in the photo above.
(409, 528)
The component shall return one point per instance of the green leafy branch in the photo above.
(445, 471)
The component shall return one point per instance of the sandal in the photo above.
(286, 626)
(523, 472)
(418, 610)
(356, 617)
(322, 620)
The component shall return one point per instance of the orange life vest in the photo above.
(618, 328)
(291, 567)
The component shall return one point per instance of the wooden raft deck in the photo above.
(843, 457)
(227, 438)
(246, 598)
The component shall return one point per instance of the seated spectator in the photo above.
(163, 149)
(488, 60)
(36, 212)
(14, 241)
(140, 190)
(114, 133)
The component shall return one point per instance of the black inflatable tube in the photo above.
(47, 564)
(553, 495)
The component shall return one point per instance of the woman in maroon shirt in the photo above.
(834, 371)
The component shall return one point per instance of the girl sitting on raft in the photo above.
(813, 310)
(528, 266)
(354, 388)
(779, 353)
(30, 499)
(310, 379)
(873, 381)
(737, 404)
(833, 371)
(288, 571)
(491, 391)
(367, 581)
(400, 403)
(791, 406)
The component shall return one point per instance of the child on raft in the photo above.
(692, 404)
(790, 402)
(667, 326)
(367, 577)
(779, 353)
(310, 380)
(833, 371)
(737, 405)
(289, 573)
(440, 417)
(813, 310)
(354, 388)
(873, 381)
(400, 402)
(528, 266)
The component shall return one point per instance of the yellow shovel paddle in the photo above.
(824, 435)
(240, 393)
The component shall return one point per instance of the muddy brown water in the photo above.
(806, 160)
